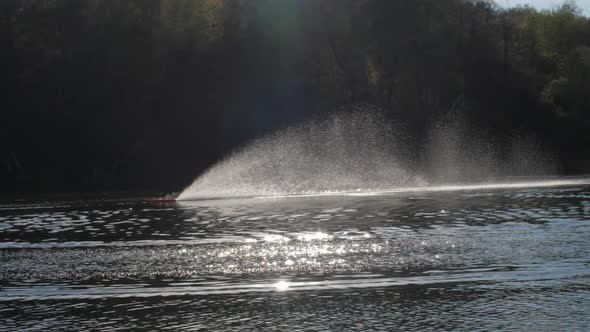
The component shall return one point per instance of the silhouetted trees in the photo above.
(101, 94)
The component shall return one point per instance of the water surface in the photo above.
(486, 258)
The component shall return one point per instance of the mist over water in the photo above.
(456, 151)
(361, 150)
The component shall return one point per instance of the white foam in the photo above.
(451, 187)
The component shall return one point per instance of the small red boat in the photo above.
(162, 200)
(170, 198)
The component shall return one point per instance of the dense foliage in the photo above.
(101, 94)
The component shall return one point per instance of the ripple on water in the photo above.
(422, 260)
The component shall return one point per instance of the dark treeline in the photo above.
(108, 94)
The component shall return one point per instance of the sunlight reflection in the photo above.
(275, 238)
(314, 236)
(282, 286)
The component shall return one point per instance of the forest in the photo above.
(145, 94)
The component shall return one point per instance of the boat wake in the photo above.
(538, 183)
(362, 153)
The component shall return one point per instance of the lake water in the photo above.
(481, 259)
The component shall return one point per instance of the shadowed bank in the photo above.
(101, 95)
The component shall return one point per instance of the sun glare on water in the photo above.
(282, 286)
